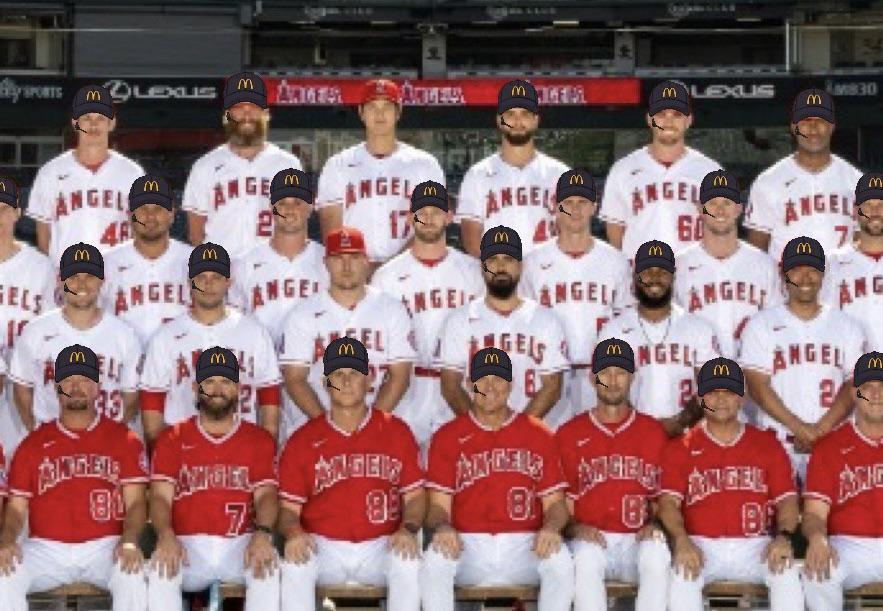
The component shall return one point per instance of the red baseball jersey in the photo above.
(214, 477)
(846, 471)
(496, 478)
(727, 490)
(73, 479)
(612, 470)
(350, 484)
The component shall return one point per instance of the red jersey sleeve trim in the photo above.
(819, 496)
(671, 492)
(159, 477)
(270, 395)
(265, 482)
(551, 489)
(152, 401)
(417, 484)
(435, 486)
(292, 497)
(21, 493)
(134, 480)
(784, 496)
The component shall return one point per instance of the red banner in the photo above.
(461, 92)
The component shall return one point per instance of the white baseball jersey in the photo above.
(146, 293)
(655, 202)
(375, 192)
(668, 354)
(170, 362)
(807, 361)
(726, 292)
(585, 290)
(113, 341)
(233, 194)
(496, 193)
(23, 296)
(788, 201)
(267, 284)
(81, 205)
(379, 321)
(854, 283)
(532, 336)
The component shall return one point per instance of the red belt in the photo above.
(423, 372)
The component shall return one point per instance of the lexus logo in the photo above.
(122, 91)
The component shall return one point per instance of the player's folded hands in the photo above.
(10, 554)
(129, 557)
(688, 559)
(821, 557)
(169, 556)
(584, 532)
(299, 547)
(648, 532)
(547, 542)
(778, 555)
(260, 555)
(446, 541)
(405, 544)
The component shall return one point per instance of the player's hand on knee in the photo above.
(260, 555)
(546, 543)
(446, 541)
(405, 544)
(10, 556)
(169, 556)
(590, 534)
(821, 557)
(299, 547)
(688, 560)
(778, 554)
(129, 557)
(649, 532)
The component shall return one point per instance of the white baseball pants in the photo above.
(861, 562)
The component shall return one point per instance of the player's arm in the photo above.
(196, 228)
(260, 555)
(840, 409)
(169, 553)
(269, 410)
(44, 236)
(453, 392)
(404, 541)
(266, 506)
(127, 551)
(330, 218)
(23, 397)
(760, 389)
(470, 236)
(615, 233)
(555, 518)
(14, 516)
(153, 423)
(759, 238)
(547, 396)
(684, 419)
(299, 544)
(445, 539)
(395, 385)
(687, 557)
(819, 553)
(298, 388)
(130, 406)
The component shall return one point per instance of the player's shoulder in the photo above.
(259, 251)
(454, 428)
(846, 168)
(31, 257)
(403, 261)
(244, 323)
(115, 430)
(551, 164)
(577, 427)
(483, 168)
(179, 249)
(689, 255)
(279, 156)
(43, 323)
(648, 424)
(637, 159)
(173, 330)
(544, 253)
(534, 427)
(409, 152)
(698, 159)
(778, 172)
(620, 325)
(121, 253)
(380, 298)
(116, 326)
(751, 253)
(760, 438)
(389, 424)
(685, 319)
(843, 254)
(254, 435)
(208, 161)
(349, 155)
(303, 436)
(841, 319)
(844, 434)
(124, 164)
(59, 163)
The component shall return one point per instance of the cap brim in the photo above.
(209, 266)
(343, 362)
(570, 191)
(87, 107)
(346, 251)
(860, 197)
(217, 370)
(797, 260)
(648, 262)
(291, 191)
(429, 200)
(7, 198)
(236, 97)
(140, 199)
(491, 370)
(731, 194)
(721, 384)
(86, 267)
(525, 103)
(681, 107)
(74, 369)
(613, 361)
(813, 111)
(867, 375)
(500, 249)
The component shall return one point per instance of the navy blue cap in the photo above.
(429, 193)
(868, 367)
(721, 373)
(803, 251)
(869, 186)
(209, 257)
(518, 94)
(813, 103)
(577, 181)
(654, 254)
(76, 360)
(345, 352)
(81, 257)
(217, 361)
(245, 87)
(292, 183)
(150, 189)
(9, 192)
(720, 183)
(669, 94)
(490, 362)
(500, 240)
(613, 353)
(92, 98)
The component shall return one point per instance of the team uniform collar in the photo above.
(237, 421)
(369, 413)
(717, 442)
(76, 434)
(629, 420)
(508, 421)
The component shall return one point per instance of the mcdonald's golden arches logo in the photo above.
(2, 185)
(719, 180)
(491, 357)
(721, 370)
(576, 179)
(93, 96)
(292, 179)
(614, 349)
(209, 253)
(430, 190)
(501, 236)
(346, 349)
(875, 363)
(804, 247)
(655, 251)
(151, 185)
(81, 255)
(670, 92)
(519, 90)
(814, 98)
(244, 83)
(217, 357)
(875, 182)
(77, 357)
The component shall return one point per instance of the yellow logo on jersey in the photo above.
(151, 185)
(804, 247)
(81, 255)
(244, 83)
(93, 95)
(670, 92)
(719, 180)
(614, 349)
(491, 357)
(875, 363)
(519, 90)
(721, 370)
(875, 181)
(346, 349)
(814, 98)
(430, 190)
(576, 179)
(217, 357)
(209, 253)
(501, 236)
(655, 251)
(77, 357)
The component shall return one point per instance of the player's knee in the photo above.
(589, 561)
(558, 566)
(437, 565)
(293, 573)
(788, 577)
(653, 558)
(157, 580)
(399, 568)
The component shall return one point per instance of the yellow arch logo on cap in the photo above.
(519, 90)
(151, 185)
(491, 357)
(804, 247)
(346, 349)
(720, 180)
(93, 95)
(614, 349)
(814, 98)
(217, 357)
(430, 190)
(875, 363)
(721, 370)
(245, 83)
(77, 357)
(81, 255)
(670, 92)
(209, 253)
(292, 179)
(501, 236)
(875, 181)
(655, 251)
(576, 179)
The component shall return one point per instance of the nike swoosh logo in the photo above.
(218, 167)
(405, 277)
(257, 265)
(847, 450)
(352, 165)
(46, 338)
(633, 172)
(779, 327)
(187, 447)
(316, 444)
(63, 176)
(628, 329)
(180, 335)
(48, 443)
(318, 314)
(464, 439)
(788, 182)
(695, 452)
(693, 268)
(583, 442)
(545, 265)
(123, 268)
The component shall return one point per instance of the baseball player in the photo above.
(514, 186)
(532, 335)
(611, 459)
(167, 392)
(496, 500)
(431, 280)
(352, 493)
(226, 193)
(654, 190)
(721, 278)
(79, 320)
(796, 356)
(81, 193)
(368, 186)
(273, 276)
(671, 343)
(213, 497)
(809, 192)
(23, 296)
(147, 285)
(721, 484)
(586, 281)
(843, 492)
(854, 282)
(78, 484)
(349, 308)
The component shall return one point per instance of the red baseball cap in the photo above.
(345, 240)
(381, 88)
